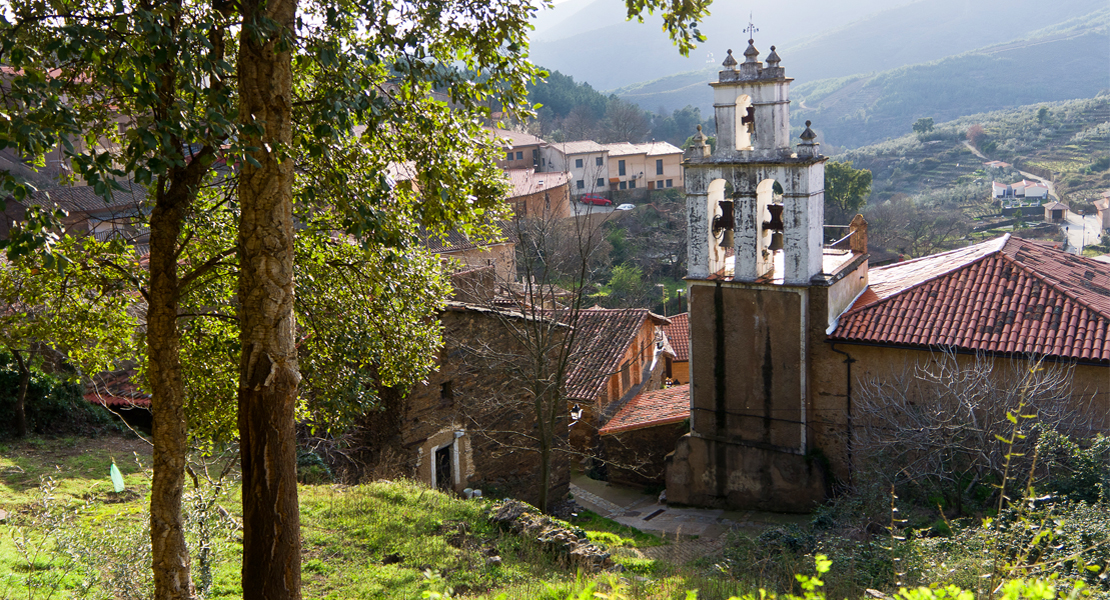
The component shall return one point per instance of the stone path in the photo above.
(694, 532)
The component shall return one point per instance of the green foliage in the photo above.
(846, 191)
(923, 125)
(1074, 471)
(54, 405)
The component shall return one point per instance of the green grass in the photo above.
(612, 534)
(432, 541)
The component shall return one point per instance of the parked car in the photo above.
(626, 207)
(595, 200)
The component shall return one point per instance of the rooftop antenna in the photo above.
(751, 28)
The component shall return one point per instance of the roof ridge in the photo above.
(1005, 238)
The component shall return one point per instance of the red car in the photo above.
(595, 200)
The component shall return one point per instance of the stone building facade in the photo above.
(470, 424)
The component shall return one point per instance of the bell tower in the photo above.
(762, 292)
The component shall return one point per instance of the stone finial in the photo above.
(773, 59)
(730, 62)
(809, 148)
(808, 136)
(751, 54)
(698, 148)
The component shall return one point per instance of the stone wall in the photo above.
(637, 457)
(473, 413)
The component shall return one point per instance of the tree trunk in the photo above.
(167, 527)
(268, 375)
(21, 395)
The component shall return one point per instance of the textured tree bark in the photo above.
(167, 527)
(268, 375)
(21, 395)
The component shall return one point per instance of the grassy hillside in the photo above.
(66, 533)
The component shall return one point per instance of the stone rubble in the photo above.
(570, 545)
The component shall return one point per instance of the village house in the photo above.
(88, 212)
(469, 424)
(456, 246)
(1102, 205)
(782, 329)
(522, 150)
(653, 419)
(617, 354)
(536, 195)
(1019, 189)
(586, 162)
(647, 166)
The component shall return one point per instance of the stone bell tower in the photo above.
(763, 290)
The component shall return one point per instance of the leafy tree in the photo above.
(975, 134)
(846, 191)
(81, 311)
(923, 125)
(172, 103)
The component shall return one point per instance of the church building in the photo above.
(783, 325)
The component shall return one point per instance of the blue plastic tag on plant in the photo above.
(117, 478)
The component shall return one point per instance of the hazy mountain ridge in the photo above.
(1064, 65)
(817, 40)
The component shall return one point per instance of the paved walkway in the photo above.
(694, 532)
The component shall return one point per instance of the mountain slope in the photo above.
(817, 39)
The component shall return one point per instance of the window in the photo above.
(578, 163)
(620, 167)
(623, 185)
(670, 183)
(520, 155)
(600, 182)
(446, 392)
(599, 161)
(580, 184)
(659, 166)
(632, 184)
(510, 155)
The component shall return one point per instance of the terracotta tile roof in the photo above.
(678, 332)
(1007, 295)
(579, 147)
(85, 198)
(651, 409)
(602, 335)
(527, 181)
(116, 389)
(454, 240)
(515, 138)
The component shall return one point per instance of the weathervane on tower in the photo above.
(751, 29)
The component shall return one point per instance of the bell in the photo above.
(775, 224)
(776, 241)
(726, 239)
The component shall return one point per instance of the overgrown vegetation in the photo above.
(54, 403)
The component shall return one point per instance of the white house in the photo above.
(586, 162)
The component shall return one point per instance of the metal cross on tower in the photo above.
(751, 29)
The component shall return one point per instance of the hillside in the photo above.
(1064, 62)
(1058, 65)
(1065, 144)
